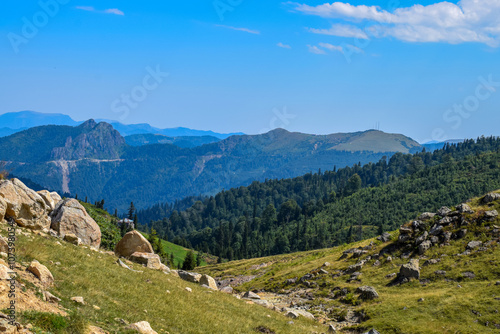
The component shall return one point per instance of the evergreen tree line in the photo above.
(326, 209)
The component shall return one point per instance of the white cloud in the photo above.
(341, 30)
(255, 32)
(466, 21)
(314, 49)
(114, 11)
(284, 46)
(331, 47)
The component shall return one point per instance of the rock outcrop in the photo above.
(70, 217)
(133, 242)
(3, 208)
(49, 201)
(26, 207)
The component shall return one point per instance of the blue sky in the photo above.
(419, 68)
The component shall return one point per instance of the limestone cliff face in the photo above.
(95, 141)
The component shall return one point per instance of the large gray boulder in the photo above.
(424, 246)
(410, 270)
(70, 217)
(25, 206)
(133, 242)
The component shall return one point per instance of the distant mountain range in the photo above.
(18, 121)
(94, 160)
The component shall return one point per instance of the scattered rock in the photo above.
(209, 281)
(353, 268)
(50, 297)
(133, 242)
(165, 268)
(410, 270)
(190, 277)
(292, 314)
(78, 300)
(251, 295)
(491, 215)
(474, 244)
(26, 207)
(420, 300)
(372, 331)
(426, 216)
(405, 230)
(41, 272)
(385, 237)
(4, 246)
(491, 197)
(291, 281)
(188, 289)
(332, 329)
(142, 327)
(389, 259)
(367, 292)
(227, 289)
(70, 217)
(436, 230)
(72, 239)
(444, 211)
(150, 260)
(421, 238)
(4, 272)
(468, 274)
(424, 246)
(464, 208)
(326, 264)
(96, 330)
(440, 272)
(377, 263)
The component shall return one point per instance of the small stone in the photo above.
(142, 327)
(96, 307)
(50, 297)
(227, 289)
(469, 274)
(188, 289)
(292, 314)
(41, 272)
(421, 300)
(331, 329)
(440, 272)
(251, 295)
(474, 244)
(367, 292)
(78, 300)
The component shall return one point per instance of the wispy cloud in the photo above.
(341, 30)
(114, 11)
(314, 49)
(466, 21)
(284, 46)
(331, 47)
(255, 32)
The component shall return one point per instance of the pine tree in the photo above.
(198, 259)
(189, 261)
(131, 211)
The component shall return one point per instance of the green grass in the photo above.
(133, 296)
(450, 304)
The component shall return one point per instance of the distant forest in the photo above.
(329, 208)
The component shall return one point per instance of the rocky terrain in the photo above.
(437, 269)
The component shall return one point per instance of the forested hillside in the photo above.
(94, 161)
(330, 208)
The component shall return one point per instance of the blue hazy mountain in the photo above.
(13, 122)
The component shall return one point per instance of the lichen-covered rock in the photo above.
(25, 206)
(444, 211)
(464, 208)
(133, 242)
(70, 217)
(426, 216)
(424, 246)
(491, 197)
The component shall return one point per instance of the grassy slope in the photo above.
(447, 308)
(121, 293)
